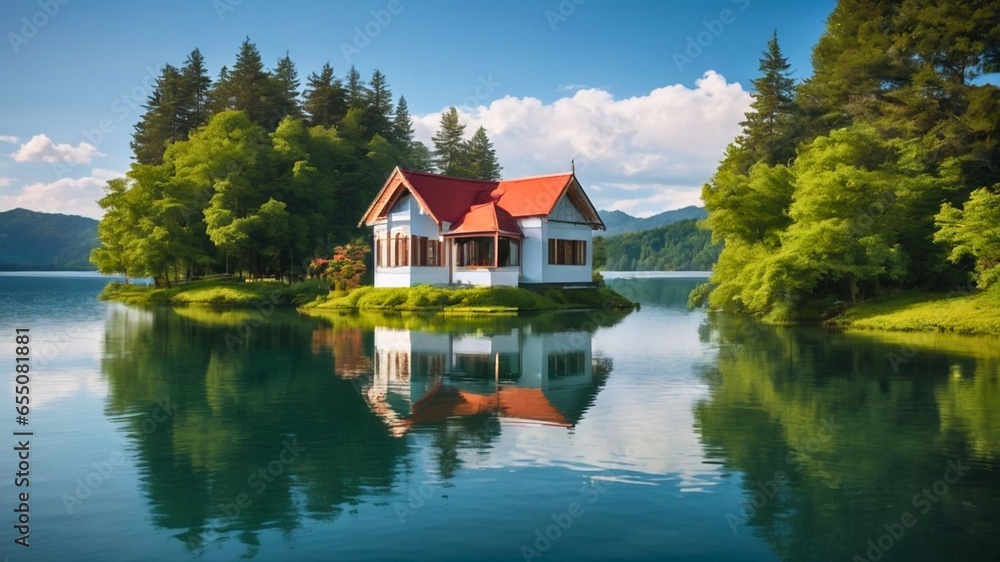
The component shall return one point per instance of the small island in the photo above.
(315, 295)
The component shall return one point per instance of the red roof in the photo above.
(529, 404)
(474, 205)
(486, 218)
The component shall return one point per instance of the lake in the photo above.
(664, 434)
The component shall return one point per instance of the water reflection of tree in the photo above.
(856, 439)
(234, 411)
(239, 386)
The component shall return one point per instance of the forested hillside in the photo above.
(879, 172)
(618, 222)
(252, 173)
(45, 241)
(680, 246)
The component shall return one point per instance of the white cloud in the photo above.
(8, 138)
(4, 182)
(41, 149)
(643, 154)
(73, 196)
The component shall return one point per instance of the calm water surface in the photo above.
(666, 434)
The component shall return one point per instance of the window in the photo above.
(401, 255)
(508, 253)
(475, 252)
(567, 364)
(426, 251)
(382, 250)
(567, 252)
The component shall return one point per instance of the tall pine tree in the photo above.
(378, 106)
(195, 86)
(482, 157)
(357, 90)
(249, 87)
(450, 154)
(768, 134)
(163, 121)
(325, 99)
(402, 126)
(285, 102)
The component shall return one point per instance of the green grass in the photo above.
(471, 300)
(218, 292)
(975, 313)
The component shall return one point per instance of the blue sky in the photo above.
(643, 95)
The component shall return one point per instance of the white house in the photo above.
(441, 230)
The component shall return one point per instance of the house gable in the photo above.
(566, 211)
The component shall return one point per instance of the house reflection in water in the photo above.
(422, 378)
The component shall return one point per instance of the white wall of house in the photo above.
(552, 273)
(408, 218)
(538, 348)
(566, 223)
(533, 249)
(501, 276)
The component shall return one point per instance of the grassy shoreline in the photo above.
(471, 300)
(964, 313)
(223, 293)
(313, 295)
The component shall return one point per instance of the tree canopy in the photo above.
(856, 180)
(250, 175)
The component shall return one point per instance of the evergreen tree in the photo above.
(481, 157)
(325, 99)
(357, 90)
(402, 126)
(195, 88)
(163, 121)
(419, 158)
(767, 133)
(252, 87)
(450, 154)
(220, 95)
(286, 96)
(378, 106)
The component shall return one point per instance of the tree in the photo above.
(482, 158)
(195, 87)
(221, 96)
(347, 266)
(248, 87)
(325, 100)
(163, 121)
(890, 138)
(378, 106)
(973, 233)
(115, 231)
(419, 158)
(286, 85)
(356, 90)
(402, 126)
(449, 145)
(767, 130)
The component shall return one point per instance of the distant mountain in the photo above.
(619, 222)
(30, 240)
